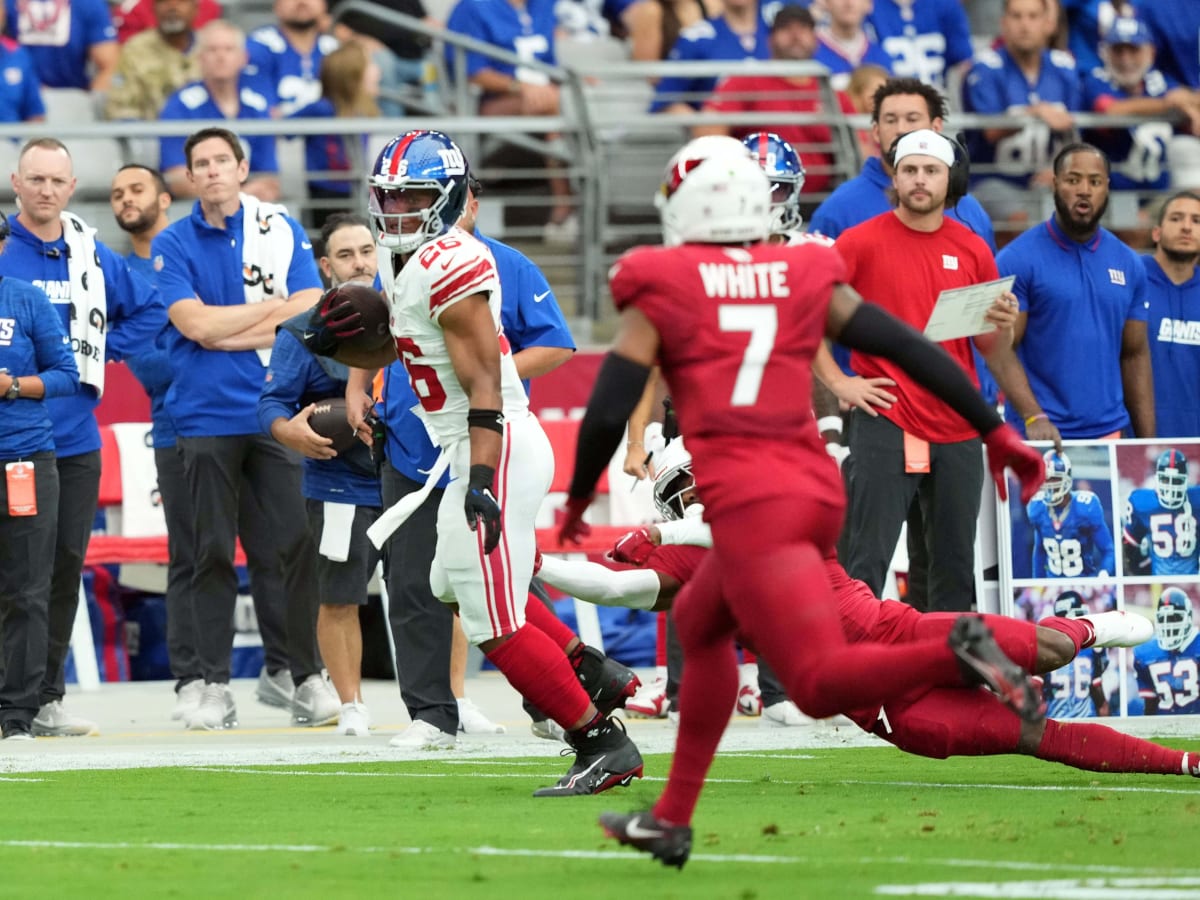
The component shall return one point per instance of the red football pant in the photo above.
(765, 581)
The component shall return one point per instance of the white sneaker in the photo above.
(548, 730)
(421, 735)
(353, 720)
(1119, 628)
(54, 721)
(783, 714)
(187, 699)
(275, 690)
(562, 233)
(315, 703)
(471, 719)
(216, 710)
(651, 701)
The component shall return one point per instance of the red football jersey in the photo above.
(739, 327)
(903, 271)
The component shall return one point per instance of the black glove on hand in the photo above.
(333, 320)
(481, 506)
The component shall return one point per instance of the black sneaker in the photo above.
(983, 662)
(669, 844)
(16, 730)
(604, 758)
(608, 683)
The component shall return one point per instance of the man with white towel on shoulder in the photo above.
(108, 314)
(229, 273)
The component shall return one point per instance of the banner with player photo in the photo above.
(1114, 527)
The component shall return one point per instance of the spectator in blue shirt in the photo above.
(844, 44)
(740, 32)
(35, 365)
(1173, 293)
(108, 316)
(1176, 30)
(526, 29)
(341, 489)
(223, 92)
(1021, 79)
(1081, 332)
(20, 91)
(1087, 21)
(227, 283)
(285, 58)
(1129, 84)
(73, 45)
(924, 38)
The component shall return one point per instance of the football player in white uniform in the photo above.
(444, 296)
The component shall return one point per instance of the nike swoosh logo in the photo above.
(538, 298)
(634, 830)
(309, 335)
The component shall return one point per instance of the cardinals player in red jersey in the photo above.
(934, 720)
(734, 324)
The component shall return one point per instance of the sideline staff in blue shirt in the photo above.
(1081, 333)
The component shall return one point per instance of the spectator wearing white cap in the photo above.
(918, 447)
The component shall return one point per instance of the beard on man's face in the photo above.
(141, 222)
(1081, 223)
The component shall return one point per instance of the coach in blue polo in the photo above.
(1081, 332)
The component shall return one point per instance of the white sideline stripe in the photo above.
(1177, 875)
(1056, 889)
(1028, 787)
(4, 778)
(233, 770)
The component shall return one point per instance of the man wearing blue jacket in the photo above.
(35, 365)
(107, 314)
(341, 490)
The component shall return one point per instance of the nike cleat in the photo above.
(608, 683)
(604, 758)
(669, 844)
(983, 662)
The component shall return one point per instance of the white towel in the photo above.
(267, 247)
(397, 514)
(89, 303)
(141, 503)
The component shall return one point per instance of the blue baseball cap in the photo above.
(1128, 30)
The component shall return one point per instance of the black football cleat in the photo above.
(983, 662)
(669, 844)
(604, 758)
(608, 683)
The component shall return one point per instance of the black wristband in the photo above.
(491, 419)
(481, 477)
(873, 331)
(617, 390)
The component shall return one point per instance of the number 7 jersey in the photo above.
(438, 275)
(739, 328)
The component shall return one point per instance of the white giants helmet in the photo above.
(714, 192)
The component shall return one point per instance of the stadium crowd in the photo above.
(236, 320)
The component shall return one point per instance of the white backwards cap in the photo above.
(924, 143)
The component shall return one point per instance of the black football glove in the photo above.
(481, 506)
(333, 320)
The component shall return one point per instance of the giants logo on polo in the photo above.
(1116, 276)
(8, 328)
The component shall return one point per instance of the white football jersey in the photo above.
(438, 275)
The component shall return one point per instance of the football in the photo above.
(328, 419)
(369, 304)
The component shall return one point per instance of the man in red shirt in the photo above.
(920, 447)
(792, 39)
(734, 324)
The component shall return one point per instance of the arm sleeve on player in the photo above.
(693, 531)
(593, 583)
(617, 391)
(872, 330)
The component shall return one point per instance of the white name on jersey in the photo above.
(745, 280)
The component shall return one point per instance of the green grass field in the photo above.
(822, 823)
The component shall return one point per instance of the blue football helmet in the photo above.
(1173, 619)
(417, 161)
(1058, 477)
(1171, 479)
(784, 168)
(1070, 605)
